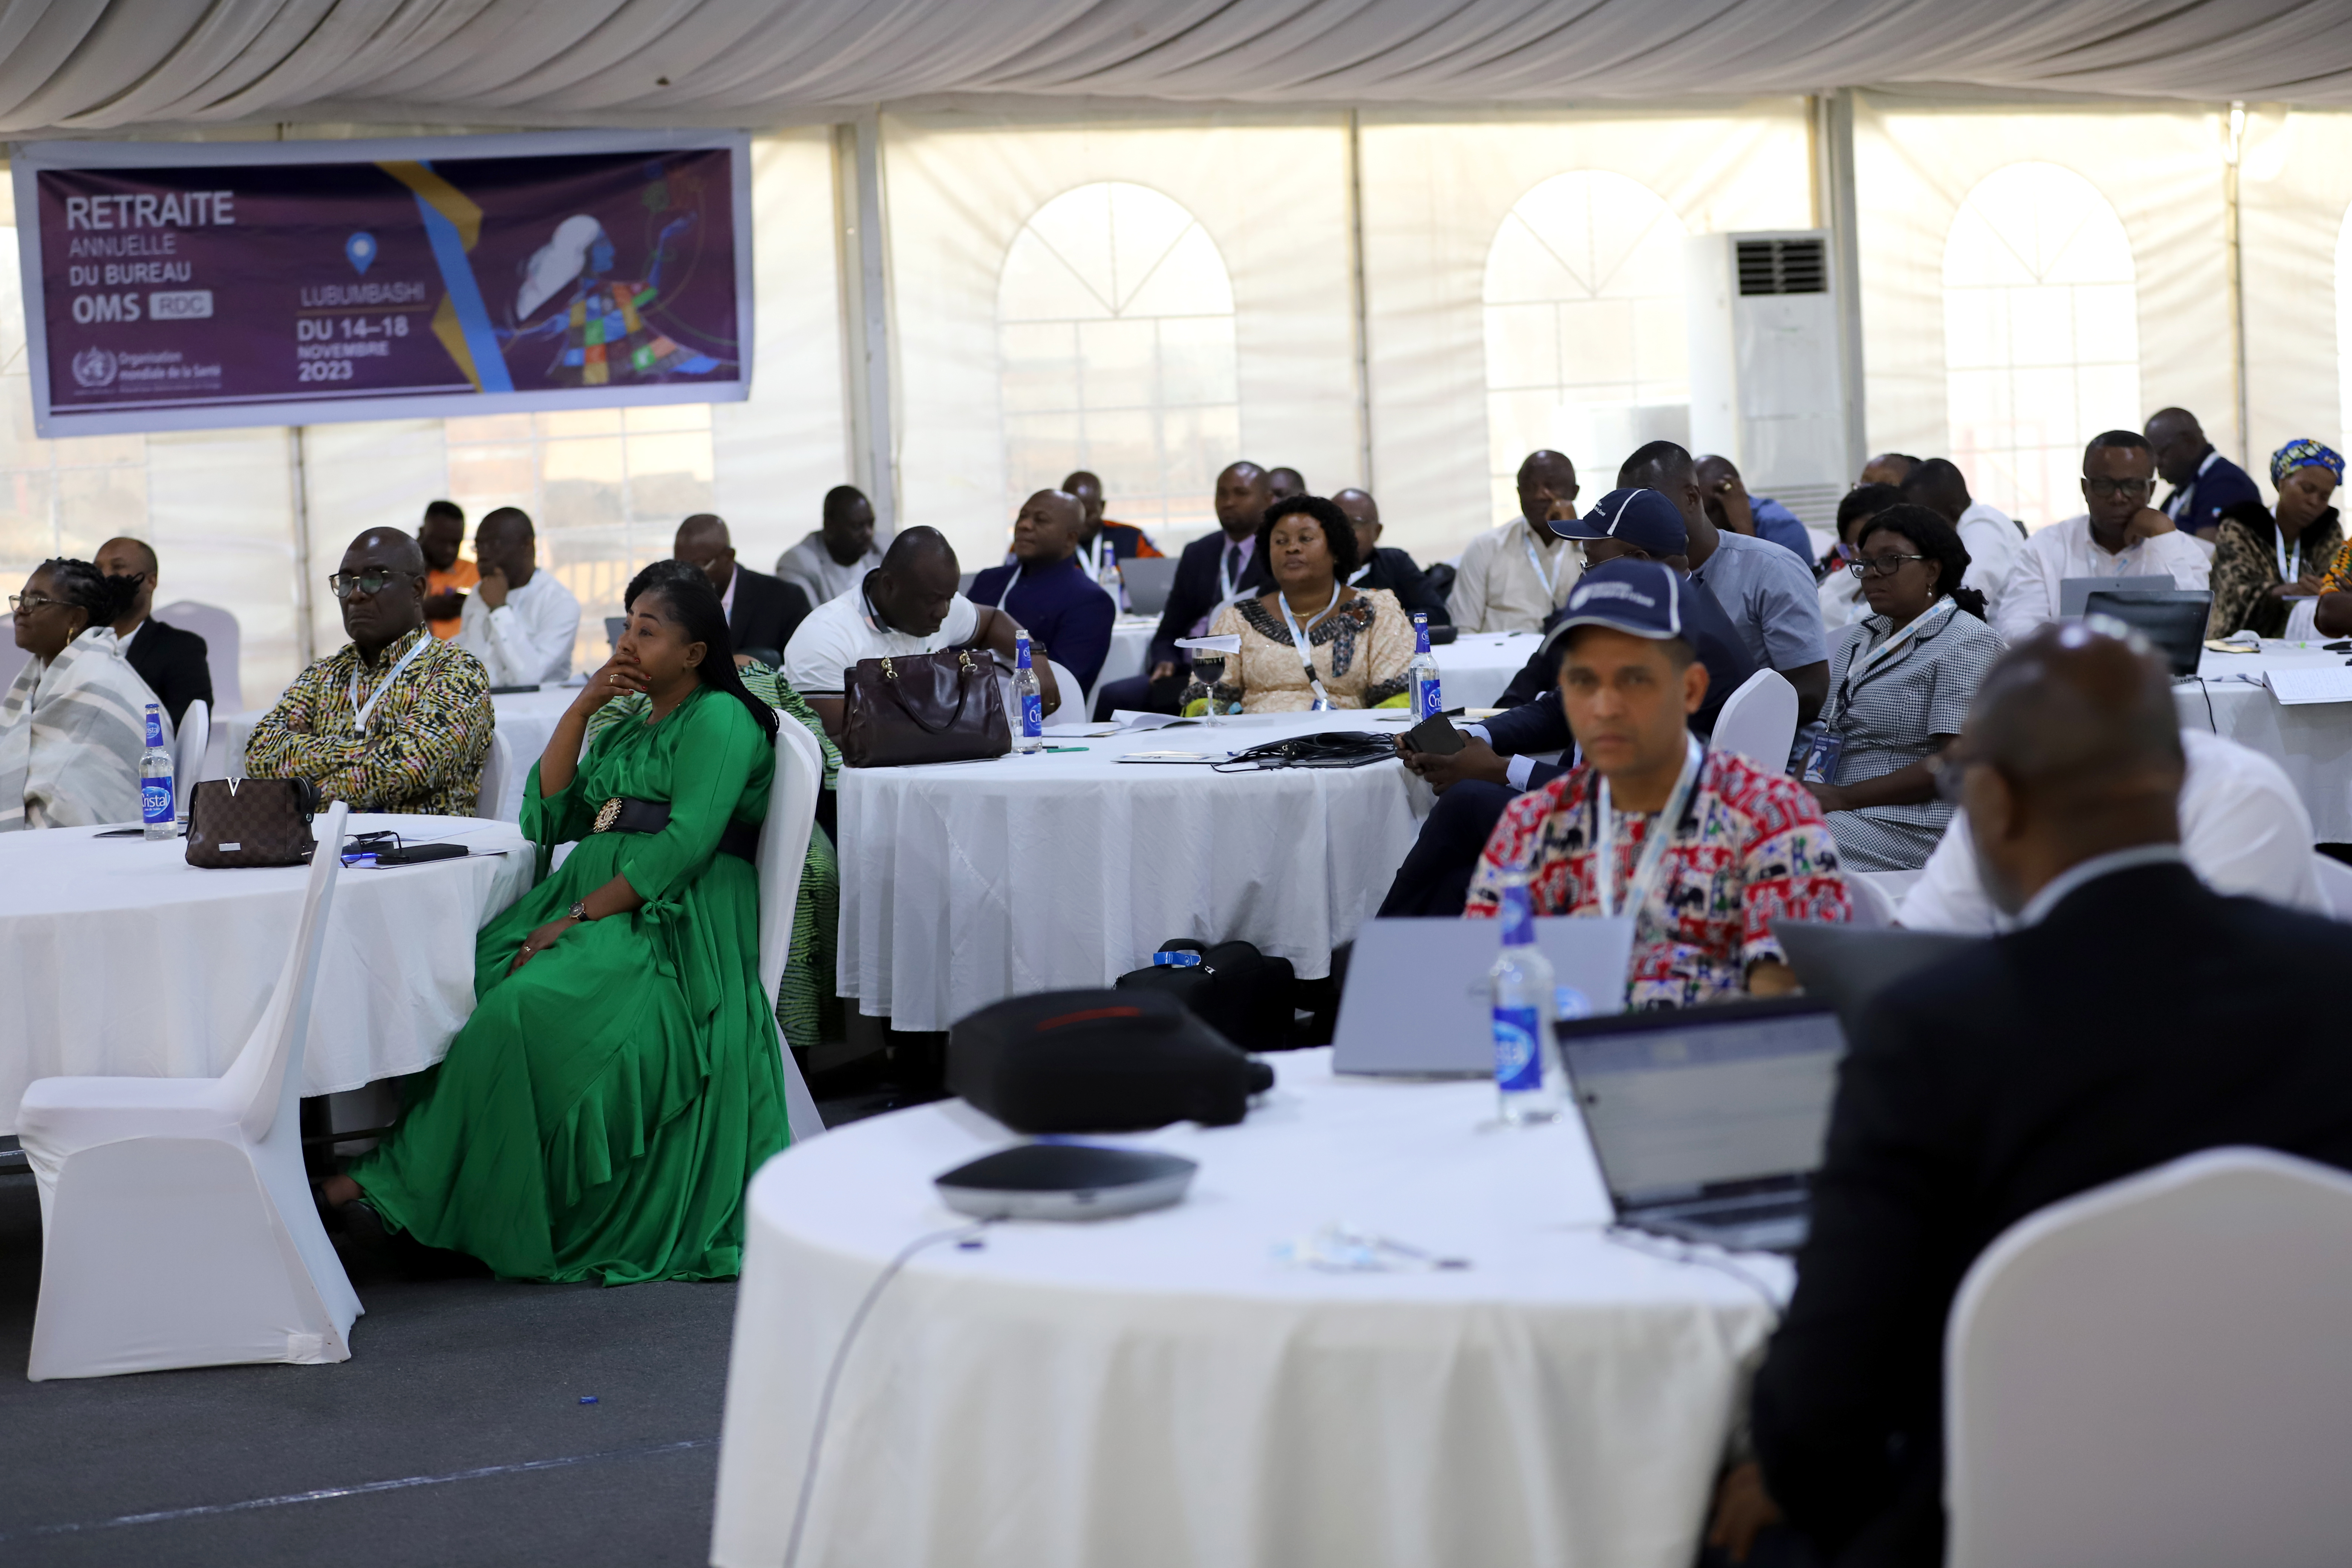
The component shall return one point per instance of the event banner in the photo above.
(177, 286)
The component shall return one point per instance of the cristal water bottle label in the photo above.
(1033, 713)
(155, 800)
(1426, 700)
(1518, 1065)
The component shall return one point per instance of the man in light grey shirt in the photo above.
(837, 557)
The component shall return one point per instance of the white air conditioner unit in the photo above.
(1766, 385)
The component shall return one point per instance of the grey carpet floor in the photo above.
(447, 1377)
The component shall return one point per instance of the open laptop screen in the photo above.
(1704, 1100)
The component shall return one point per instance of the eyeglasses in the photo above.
(1880, 565)
(26, 604)
(363, 584)
(1585, 563)
(2108, 490)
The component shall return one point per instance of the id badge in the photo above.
(1822, 759)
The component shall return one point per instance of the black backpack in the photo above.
(1234, 989)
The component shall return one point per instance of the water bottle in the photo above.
(1526, 1061)
(155, 779)
(1427, 699)
(1029, 732)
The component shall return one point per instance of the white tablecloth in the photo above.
(1159, 1390)
(1476, 667)
(965, 883)
(122, 959)
(2312, 741)
(525, 718)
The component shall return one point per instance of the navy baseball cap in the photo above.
(1641, 518)
(1640, 598)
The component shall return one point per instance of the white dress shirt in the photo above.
(2242, 829)
(527, 641)
(1993, 542)
(1497, 586)
(2066, 549)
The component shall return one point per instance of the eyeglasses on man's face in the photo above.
(365, 584)
(1880, 565)
(2130, 490)
(26, 604)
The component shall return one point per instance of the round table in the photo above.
(1476, 667)
(124, 960)
(1162, 1390)
(2312, 742)
(525, 718)
(964, 883)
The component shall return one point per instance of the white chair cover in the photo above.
(2153, 1374)
(2334, 884)
(1758, 721)
(495, 769)
(1873, 909)
(783, 851)
(1077, 702)
(196, 732)
(178, 1227)
(223, 647)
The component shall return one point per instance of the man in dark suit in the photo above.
(762, 612)
(173, 663)
(1497, 759)
(1215, 570)
(1387, 567)
(2046, 1062)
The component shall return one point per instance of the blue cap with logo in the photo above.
(1640, 598)
(1641, 518)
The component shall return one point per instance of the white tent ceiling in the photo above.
(114, 65)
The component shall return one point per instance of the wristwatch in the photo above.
(579, 910)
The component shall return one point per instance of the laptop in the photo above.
(1848, 965)
(1148, 580)
(1416, 1000)
(1708, 1123)
(613, 627)
(2074, 591)
(2174, 622)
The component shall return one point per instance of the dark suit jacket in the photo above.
(1065, 611)
(768, 610)
(2215, 493)
(1394, 570)
(174, 665)
(2043, 1063)
(1194, 592)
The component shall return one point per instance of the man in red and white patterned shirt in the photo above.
(1745, 847)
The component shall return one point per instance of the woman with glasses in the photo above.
(1900, 683)
(600, 1114)
(74, 721)
(1314, 640)
(2264, 558)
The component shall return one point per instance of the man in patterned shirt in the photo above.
(1745, 847)
(399, 721)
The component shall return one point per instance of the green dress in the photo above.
(600, 1114)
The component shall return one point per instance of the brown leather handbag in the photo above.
(923, 707)
(250, 822)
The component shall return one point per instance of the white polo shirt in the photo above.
(840, 632)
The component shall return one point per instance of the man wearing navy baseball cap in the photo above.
(1705, 851)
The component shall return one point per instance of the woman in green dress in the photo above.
(602, 1111)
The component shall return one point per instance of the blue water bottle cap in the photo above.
(1176, 959)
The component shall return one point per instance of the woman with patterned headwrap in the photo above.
(2262, 559)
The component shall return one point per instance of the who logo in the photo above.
(94, 367)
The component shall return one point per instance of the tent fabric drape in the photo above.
(97, 64)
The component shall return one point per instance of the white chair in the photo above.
(1873, 909)
(1758, 721)
(223, 647)
(1077, 702)
(188, 743)
(177, 1224)
(495, 769)
(783, 851)
(1893, 884)
(2153, 1374)
(2334, 884)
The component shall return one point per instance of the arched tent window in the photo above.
(2041, 336)
(1585, 342)
(1115, 328)
(2344, 326)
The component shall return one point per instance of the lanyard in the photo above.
(1298, 641)
(1536, 560)
(1654, 851)
(1102, 553)
(1934, 614)
(359, 711)
(2287, 574)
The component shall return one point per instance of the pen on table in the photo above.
(1069, 747)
